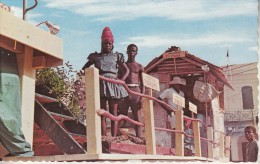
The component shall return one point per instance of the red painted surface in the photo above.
(138, 149)
(42, 144)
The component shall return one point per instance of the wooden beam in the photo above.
(193, 62)
(27, 80)
(149, 125)
(196, 133)
(179, 137)
(178, 61)
(153, 66)
(50, 61)
(44, 99)
(179, 71)
(109, 158)
(53, 62)
(92, 105)
(172, 64)
(190, 67)
(210, 144)
(11, 45)
(39, 62)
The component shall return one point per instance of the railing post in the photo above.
(221, 146)
(27, 81)
(179, 137)
(92, 104)
(149, 125)
(227, 147)
(196, 133)
(210, 144)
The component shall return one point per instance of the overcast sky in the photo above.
(204, 28)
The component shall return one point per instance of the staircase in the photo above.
(59, 125)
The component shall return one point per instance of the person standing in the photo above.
(108, 62)
(252, 146)
(175, 87)
(188, 141)
(134, 82)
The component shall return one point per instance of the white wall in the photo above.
(239, 76)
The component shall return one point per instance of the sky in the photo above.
(204, 28)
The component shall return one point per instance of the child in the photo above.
(108, 62)
(188, 141)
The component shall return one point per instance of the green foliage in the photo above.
(61, 84)
(51, 79)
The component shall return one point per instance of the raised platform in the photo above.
(107, 157)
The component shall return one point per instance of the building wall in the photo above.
(236, 118)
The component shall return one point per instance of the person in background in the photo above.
(188, 141)
(252, 146)
(108, 62)
(175, 87)
(134, 82)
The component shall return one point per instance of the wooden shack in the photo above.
(176, 62)
(34, 49)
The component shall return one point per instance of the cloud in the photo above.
(106, 10)
(254, 48)
(220, 39)
(75, 32)
(16, 11)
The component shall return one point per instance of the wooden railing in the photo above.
(93, 113)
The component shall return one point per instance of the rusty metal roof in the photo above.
(175, 61)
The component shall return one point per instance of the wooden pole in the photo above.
(210, 144)
(92, 105)
(196, 133)
(179, 137)
(27, 80)
(149, 125)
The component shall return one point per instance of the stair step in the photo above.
(44, 99)
(57, 107)
(78, 135)
(62, 116)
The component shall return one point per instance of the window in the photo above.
(247, 97)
